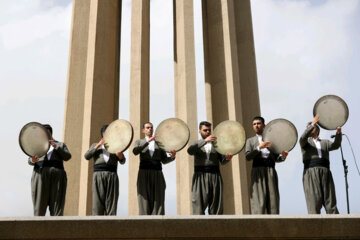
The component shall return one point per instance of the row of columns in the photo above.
(93, 89)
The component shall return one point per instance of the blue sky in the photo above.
(304, 50)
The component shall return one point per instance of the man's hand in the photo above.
(173, 154)
(210, 138)
(265, 145)
(119, 155)
(34, 159)
(52, 143)
(228, 157)
(101, 142)
(284, 154)
(152, 138)
(315, 120)
(338, 130)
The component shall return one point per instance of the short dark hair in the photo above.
(103, 129)
(204, 123)
(259, 118)
(48, 127)
(146, 123)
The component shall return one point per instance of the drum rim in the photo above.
(185, 124)
(283, 119)
(132, 134)
(23, 129)
(333, 96)
(244, 134)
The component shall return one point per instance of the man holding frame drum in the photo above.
(264, 189)
(151, 183)
(318, 182)
(105, 188)
(207, 184)
(49, 180)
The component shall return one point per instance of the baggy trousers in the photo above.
(207, 191)
(151, 192)
(319, 190)
(264, 191)
(48, 188)
(105, 192)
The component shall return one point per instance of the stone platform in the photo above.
(183, 227)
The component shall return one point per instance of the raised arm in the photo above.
(139, 146)
(195, 147)
(63, 151)
(337, 142)
(90, 153)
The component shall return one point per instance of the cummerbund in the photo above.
(150, 165)
(207, 169)
(263, 162)
(317, 162)
(47, 163)
(105, 167)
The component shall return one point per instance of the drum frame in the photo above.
(22, 130)
(131, 138)
(297, 134)
(333, 96)
(188, 130)
(244, 133)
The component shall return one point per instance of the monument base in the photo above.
(183, 227)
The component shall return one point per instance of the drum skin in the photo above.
(34, 139)
(118, 136)
(282, 134)
(172, 134)
(333, 112)
(230, 137)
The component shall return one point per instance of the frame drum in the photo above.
(282, 134)
(118, 136)
(34, 139)
(333, 112)
(230, 137)
(172, 134)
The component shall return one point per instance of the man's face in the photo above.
(258, 126)
(205, 131)
(148, 130)
(315, 133)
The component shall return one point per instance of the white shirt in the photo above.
(318, 146)
(264, 151)
(151, 146)
(208, 147)
(106, 154)
(50, 152)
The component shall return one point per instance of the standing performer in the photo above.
(264, 189)
(151, 183)
(105, 179)
(207, 183)
(318, 182)
(49, 180)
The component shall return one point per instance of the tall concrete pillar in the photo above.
(97, 101)
(231, 85)
(185, 96)
(139, 87)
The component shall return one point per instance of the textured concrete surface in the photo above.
(183, 227)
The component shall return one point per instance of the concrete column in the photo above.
(230, 89)
(74, 101)
(100, 101)
(185, 96)
(139, 87)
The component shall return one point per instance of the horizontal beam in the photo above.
(185, 227)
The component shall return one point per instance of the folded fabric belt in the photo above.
(105, 167)
(207, 169)
(47, 163)
(263, 162)
(316, 162)
(150, 165)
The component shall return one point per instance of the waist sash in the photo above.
(105, 167)
(317, 162)
(47, 163)
(263, 162)
(150, 165)
(207, 169)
